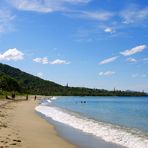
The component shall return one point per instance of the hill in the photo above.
(8, 83)
(13, 79)
(27, 83)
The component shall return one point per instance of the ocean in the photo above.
(119, 120)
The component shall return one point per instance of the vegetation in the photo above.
(12, 79)
(7, 83)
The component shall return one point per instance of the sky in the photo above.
(85, 43)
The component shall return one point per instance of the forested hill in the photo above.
(26, 83)
(13, 79)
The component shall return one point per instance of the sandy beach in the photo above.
(20, 126)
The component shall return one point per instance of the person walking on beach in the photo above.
(35, 98)
(27, 97)
(13, 95)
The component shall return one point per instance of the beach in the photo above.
(28, 123)
(20, 126)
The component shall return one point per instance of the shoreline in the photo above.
(77, 137)
(21, 127)
(69, 124)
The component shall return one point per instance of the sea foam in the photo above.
(53, 98)
(108, 132)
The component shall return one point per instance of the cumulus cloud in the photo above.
(41, 60)
(109, 30)
(133, 50)
(12, 54)
(109, 60)
(134, 14)
(107, 73)
(131, 60)
(5, 20)
(45, 60)
(45, 6)
(58, 62)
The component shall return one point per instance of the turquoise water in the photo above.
(130, 112)
(119, 120)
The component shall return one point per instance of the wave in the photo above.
(110, 133)
(53, 98)
(47, 101)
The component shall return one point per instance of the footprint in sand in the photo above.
(13, 144)
(2, 141)
(16, 140)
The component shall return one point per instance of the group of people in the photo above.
(13, 95)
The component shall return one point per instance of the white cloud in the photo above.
(109, 60)
(134, 14)
(131, 60)
(12, 54)
(109, 30)
(5, 20)
(41, 60)
(58, 62)
(46, 61)
(107, 73)
(96, 15)
(40, 74)
(133, 50)
(45, 6)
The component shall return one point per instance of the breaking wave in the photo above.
(111, 133)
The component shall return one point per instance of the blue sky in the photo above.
(88, 43)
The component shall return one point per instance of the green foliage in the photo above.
(28, 83)
(7, 83)
(12, 79)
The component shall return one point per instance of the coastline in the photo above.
(63, 115)
(20, 126)
(74, 135)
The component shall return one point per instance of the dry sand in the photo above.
(21, 127)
